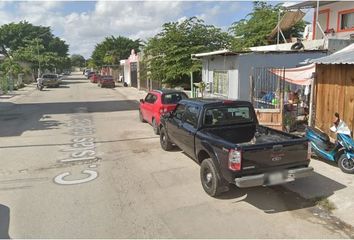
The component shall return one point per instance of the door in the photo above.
(148, 106)
(134, 74)
(174, 125)
(189, 129)
(323, 20)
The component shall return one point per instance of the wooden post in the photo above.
(192, 88)
(251, 87)
(312, 93)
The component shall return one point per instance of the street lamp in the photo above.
(39, 62)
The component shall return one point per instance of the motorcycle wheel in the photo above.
(345, 164)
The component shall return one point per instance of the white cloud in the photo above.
(83, 30)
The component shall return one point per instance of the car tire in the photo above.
(165, 141)
(141, 117)
(345, 164)
(155, 127)
(210, 178)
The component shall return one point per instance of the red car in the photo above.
(94, 78)
(156, 103)
(106, 81)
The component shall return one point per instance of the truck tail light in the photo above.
(163, 110)
(309, 150)
(235, 157)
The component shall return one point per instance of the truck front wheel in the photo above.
(164, 141)
(210, 178)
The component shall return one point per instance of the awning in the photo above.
(344, 56)
(287, 21)
(300, 75)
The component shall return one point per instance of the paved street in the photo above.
(77, 163)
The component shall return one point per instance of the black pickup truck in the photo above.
(224, 137)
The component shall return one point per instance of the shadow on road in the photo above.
(18, 118)
(4, 222)
(286, 197)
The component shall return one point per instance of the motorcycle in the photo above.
(341, 152)
(40, 85)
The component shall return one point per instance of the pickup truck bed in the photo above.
(231, 147)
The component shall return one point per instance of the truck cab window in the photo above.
(191, 115)
(179, 111)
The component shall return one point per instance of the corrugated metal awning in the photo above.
(344, 56)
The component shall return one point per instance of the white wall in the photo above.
(333, 16)
(239, 68)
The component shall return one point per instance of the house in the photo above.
(131, 70)
(227, 74)
(334, 88)
(332, 30)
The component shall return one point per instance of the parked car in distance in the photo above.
(106, 81)
(158, 102)
(51, 80)
(66, 72)
(87, 71)
(95, 77)
(225, 138)
(90, 74)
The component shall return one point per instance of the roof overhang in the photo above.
(223, 52)
(306, 4)
(344, 56)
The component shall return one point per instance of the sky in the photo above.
(83, 24)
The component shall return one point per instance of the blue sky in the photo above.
(85, 23)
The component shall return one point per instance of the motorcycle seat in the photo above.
(320, 134)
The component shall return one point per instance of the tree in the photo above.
(77, 60)
(113, 49)
(33, 44)
(168, 54)
(256, 27)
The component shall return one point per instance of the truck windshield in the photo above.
(227, 115)
(49, 76)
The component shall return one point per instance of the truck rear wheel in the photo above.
(210, 178)
(164, 141)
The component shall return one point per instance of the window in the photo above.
(179, 111)
(226, 115)
(173, 98)
(191, 115)
(151, 98)
(346, 20)
(220, 83)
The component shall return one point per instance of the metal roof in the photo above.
(306, 4)
(344, 56)
(226, 52)
(223, 52)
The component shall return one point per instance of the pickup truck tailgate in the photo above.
(265, 158)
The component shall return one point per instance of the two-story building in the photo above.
(332, 30)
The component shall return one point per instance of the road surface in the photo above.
(77, 163)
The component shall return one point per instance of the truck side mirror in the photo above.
(142, 100)
(168, 114)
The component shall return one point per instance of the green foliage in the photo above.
(113, 49)
(4, 86)
(256, 27)
(77, 60)
(10, 67)
(168, 54)
(33, 44)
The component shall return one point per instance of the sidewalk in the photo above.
(12, 96)
(328, 181)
